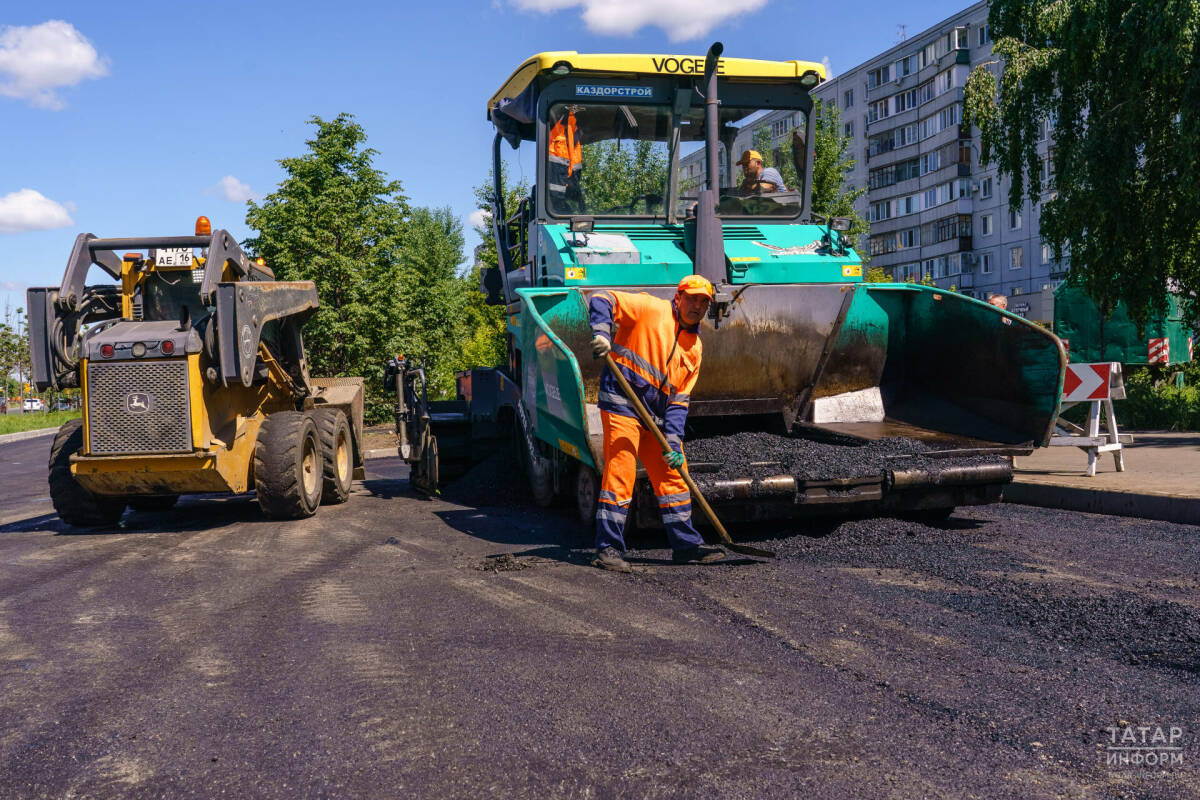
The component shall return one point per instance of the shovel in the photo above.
(644, 416)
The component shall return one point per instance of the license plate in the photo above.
(173, 257)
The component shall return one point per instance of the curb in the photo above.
(22, 435)
(1166, 508)
(383, 452)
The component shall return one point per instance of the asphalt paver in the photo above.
(404, 646)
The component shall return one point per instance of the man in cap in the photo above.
(756, 178)
(656, 345)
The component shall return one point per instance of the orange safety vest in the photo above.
(564, 144)
(657, 355)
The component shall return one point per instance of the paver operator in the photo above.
(656, 345)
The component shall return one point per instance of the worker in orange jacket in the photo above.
(564, 162)
(656, 345)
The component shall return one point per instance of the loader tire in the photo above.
(75, 505)
(287, 466)
(153, 502)
(338, 447)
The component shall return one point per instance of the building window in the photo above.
(985, 263)
(848, 128)
(1045, 253)
(925, 92)
(943, 83)
(880, 109)
(985, 35)
(1016, 290)
(847, 98)
(879, 76)
(1014, 219)
(947, 228)
(985, 187)
(1016, 258)
(882, 245)
(928, 54)
(985, 225)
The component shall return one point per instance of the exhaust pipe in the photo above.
(709, 257)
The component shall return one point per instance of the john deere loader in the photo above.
(796, 344)
(193, 375)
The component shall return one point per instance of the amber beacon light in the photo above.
(203, 226)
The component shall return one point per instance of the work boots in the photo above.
(610, 558)
(698, 555)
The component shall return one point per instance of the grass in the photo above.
(12, 423)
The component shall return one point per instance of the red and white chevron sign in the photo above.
(1158, 351)
(1085, 382)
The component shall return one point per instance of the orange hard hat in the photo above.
(696, 284)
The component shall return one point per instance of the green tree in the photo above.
(15, 363)
(431, 318)
(832, 164)
(617, 175)
(338, 221)
(1120, 79)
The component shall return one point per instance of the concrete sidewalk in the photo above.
(1161, 479)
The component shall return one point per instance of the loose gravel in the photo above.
(760, 455)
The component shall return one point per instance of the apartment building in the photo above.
(934, 210)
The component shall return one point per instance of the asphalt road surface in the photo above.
(400, 647)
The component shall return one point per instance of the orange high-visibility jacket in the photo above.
(564, 144)
(657, 354)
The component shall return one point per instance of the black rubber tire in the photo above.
(431, 467)
(288, 466)
(153, 502)
(75, 505)
(587, 493)
(338, 446)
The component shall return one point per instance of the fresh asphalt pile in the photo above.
(962, 572)
(760, 455)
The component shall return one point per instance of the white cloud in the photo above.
(231, 189)
(828, 68)
(35, 60)
(478, 218)
(681, 20)
(13, 286)
(28, 210)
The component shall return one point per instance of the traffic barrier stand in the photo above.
(1098, 385)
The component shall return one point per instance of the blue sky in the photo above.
(132, 118)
